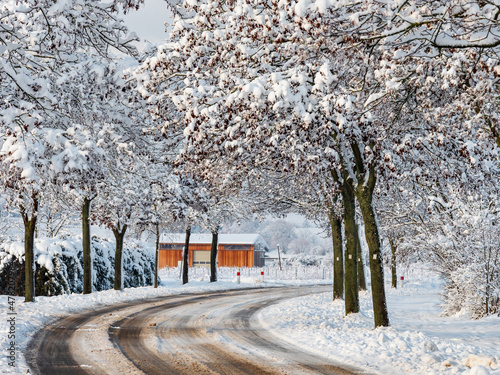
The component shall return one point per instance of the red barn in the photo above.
(234, 250)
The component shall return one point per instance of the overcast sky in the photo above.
(149, 21)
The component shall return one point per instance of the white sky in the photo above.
(149, 21)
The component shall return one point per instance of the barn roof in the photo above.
(224, 239)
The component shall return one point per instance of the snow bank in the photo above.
(420, 341)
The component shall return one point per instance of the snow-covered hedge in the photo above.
(59, 265)
(307, 260)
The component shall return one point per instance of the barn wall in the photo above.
(235, 258)
(169, 258)
(225, 258)
(258, 259)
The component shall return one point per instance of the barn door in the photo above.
(201, 258)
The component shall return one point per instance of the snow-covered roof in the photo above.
(206, 238)
(274, 255)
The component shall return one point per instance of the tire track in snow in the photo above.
(173, 335)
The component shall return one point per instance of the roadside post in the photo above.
(238, 277)
(402, 279)
(261, 276)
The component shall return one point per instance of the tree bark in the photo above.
(364, 194)
(29, 254)
(350, 262)
(185, 265)
(87, 255)
(338, 256)
(361, 267)
(213, 256)
(119, 236)
(157, 253)
(393, 263)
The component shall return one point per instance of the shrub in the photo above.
(59, 265)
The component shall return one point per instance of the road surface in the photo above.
(210, 333)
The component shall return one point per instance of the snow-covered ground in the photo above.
(29, 317)
(419, 341)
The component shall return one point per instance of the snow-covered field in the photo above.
(419, 341)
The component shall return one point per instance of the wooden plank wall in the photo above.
(235, 258)
(169, 258)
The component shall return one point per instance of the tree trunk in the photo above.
(393, 263)
(279, 256)
(361, 267)
(351, 275)
(364, 193)
(29, 254)
(338, 256)
(87, 255)
(119, 236)
(157, 253)
(213, 256)
(488, 293)
(185, 265)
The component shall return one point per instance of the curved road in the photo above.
(210, 333)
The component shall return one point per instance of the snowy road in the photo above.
(211, 333)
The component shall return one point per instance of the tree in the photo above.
(95, 95)
(294, 97)
(185, 257)
(394, 274)
(126, 191)
(213, 255)
(338, 256)
(341, 89)
(39, 40)
(361, 266)
(224, 206)
(459, 238)
(351, 289)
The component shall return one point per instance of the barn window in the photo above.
(170, 246)
(238, 247)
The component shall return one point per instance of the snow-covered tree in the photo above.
(124, 195)
(460, 239)
(39, 40)
(362, 92)
(259, 91)
(95, 96)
